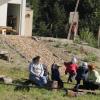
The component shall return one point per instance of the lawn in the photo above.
(9, 92)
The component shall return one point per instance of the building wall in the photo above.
(22, 17)
(15, 1)
(3, 14)
(28, 22)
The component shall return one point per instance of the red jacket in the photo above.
(70, 67)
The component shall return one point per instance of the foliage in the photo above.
(91, 57)
(88, 37)
(51, 16)
(58, 44)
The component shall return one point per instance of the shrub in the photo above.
(88, 37)
(57, 45)
(90, 57)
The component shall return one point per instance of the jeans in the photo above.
(40, 81)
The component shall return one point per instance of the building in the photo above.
(14, 13)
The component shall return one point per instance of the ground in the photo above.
(21, 52)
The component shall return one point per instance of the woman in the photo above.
(37, 72)
(93, 79)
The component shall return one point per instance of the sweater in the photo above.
(70, 67)
(94, 76)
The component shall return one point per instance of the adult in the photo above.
(36, 71)
(71, 68)
(93, 79)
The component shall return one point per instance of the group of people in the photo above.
(84, 72)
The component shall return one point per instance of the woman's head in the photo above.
(36, 59)
(91, 66)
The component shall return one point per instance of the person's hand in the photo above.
(37, 78)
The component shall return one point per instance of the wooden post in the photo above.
(99, 38)
(69, 33)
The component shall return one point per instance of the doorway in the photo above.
(13, 16)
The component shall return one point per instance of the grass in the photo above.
(9, 93)
(18, 69)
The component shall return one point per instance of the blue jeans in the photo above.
(40, 81)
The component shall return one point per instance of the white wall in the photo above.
(3, 14)
(15, 1)
(28, 23)
(22, 18)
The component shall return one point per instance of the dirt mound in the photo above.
(29, 48)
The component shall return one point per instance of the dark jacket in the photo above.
(82, 73)
(55, 75)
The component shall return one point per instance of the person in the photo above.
(46, 72)
(93, 79)
(55, 75)
(74, 30)
(71, 68)
(82, 73)
(37, 72)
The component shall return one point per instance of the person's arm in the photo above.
(31, 69)
(42, 70)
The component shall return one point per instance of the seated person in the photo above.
(55, 75)
(37, 72)
(46, 72)
(71, 68)
(82, 73)
(93, 79)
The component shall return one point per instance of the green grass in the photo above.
(17, 70)
(9, 93)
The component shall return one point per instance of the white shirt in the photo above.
(36, 69)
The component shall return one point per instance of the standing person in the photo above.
(55, 75)
(71, 68)
(74, 30)
(93, 79)
(82, 73)
(37, 72)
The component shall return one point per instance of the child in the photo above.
(55, 74)
(82, 72)
(71, 68)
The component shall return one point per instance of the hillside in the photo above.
(22, 50)
(50, 49)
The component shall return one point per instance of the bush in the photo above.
(88, 37)
(90, 57)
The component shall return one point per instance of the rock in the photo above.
(8, 80)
